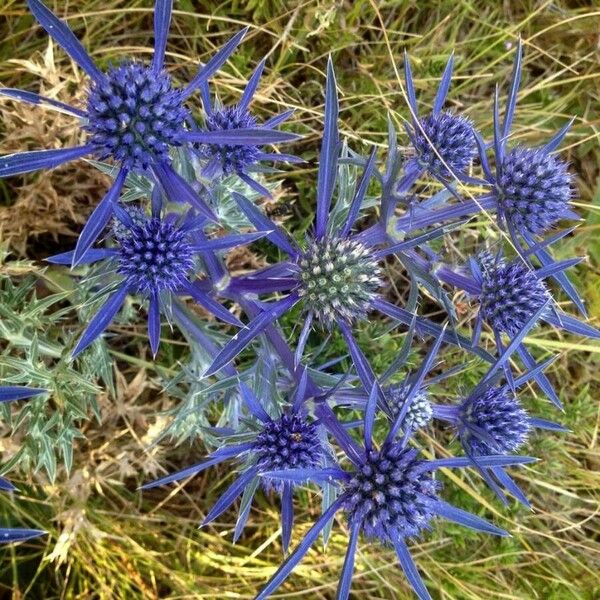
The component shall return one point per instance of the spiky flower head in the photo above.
(338, 279)
(155, 255)
(498, 414)
(135, 115)
(419, 413)
(534, 189)
(451, 136)
(230, 159)
(390, 494)
(287, 443)
(511, 294)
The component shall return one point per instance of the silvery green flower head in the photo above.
(134, 116)
(289, 440)
(156, 257)
(388, 492)
(223, 158)
(9, 534)
(336, 277)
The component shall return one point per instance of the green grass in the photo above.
(106, 539)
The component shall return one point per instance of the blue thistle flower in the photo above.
(156, 257)
(443, 142)
(289, 441)
(534, 189)
(389, 494)
(491, 420)
(452, 138)
(336, 278)
(513, 298)
(230, 159)
(134, 116)
(222, 158)
(8, 535)
(499, 417)
(510, 294)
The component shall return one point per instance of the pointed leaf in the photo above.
(58, 30)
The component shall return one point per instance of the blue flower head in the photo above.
(8, 535)
(499, 419)
(135, 115)
(390, 494)
(222, 157)
(156, 256)
(289, 441)
(534, 189)
(511, 293)
(491, 420)
(444, 142)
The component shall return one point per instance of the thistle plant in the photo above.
(282, 407)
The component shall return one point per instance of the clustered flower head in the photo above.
(288, 419)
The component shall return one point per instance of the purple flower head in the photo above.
(534, 189)
(419, 412)
(338, 279)
(452, 138)
(444, 142)
(510, 294)
(286, 443)
(390, 494)
(155, 255)
(223, 143)
(493, 422)
(135, 115)
(230, 159)
(289, 442)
